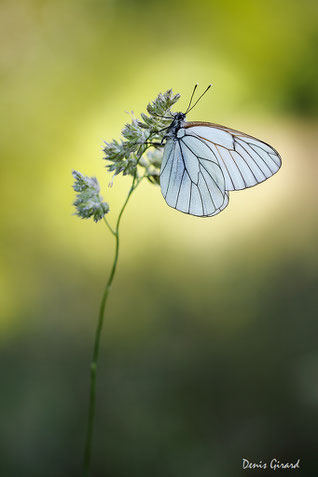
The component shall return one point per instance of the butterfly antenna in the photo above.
(188, 110)
(189, 105)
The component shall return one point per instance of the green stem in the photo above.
(93, 368)
(109, 226)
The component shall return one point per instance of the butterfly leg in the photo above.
(157, 145)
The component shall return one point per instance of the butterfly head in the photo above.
(177, 123)
(179, 117)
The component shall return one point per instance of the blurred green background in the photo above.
(209, 350)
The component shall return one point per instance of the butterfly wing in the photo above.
(245, 161)
(225, 204)
(191, 179)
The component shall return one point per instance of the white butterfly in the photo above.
(203, 161)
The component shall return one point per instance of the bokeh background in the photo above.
(209, 351)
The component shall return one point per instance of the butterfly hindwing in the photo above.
(191, 179)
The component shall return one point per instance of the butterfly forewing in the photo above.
(203, 161)
(245, 161)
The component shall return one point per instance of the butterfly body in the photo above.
(177, 123)
(203, 161)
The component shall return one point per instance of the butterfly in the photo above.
(202, 162)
